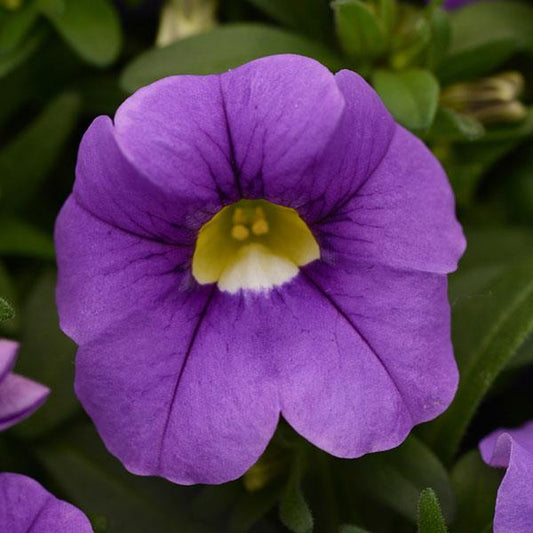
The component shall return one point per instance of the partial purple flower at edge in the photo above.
(347, 338)
(512, 449)
(19, 396)
(25, 505)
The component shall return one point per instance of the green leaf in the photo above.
(430, 519)
(15, 26)
(13, 58)
(492, 315)
(27, 159)
(360, 32)
(47, 356)
(90, 27)
(476, 486)
(411, 96)
(18, 238)
(484, 35)
(451, 126)
(439, 25)
(218, 50)
(396, 478)
(97, 483)
(293, 510)
(310, 17)
(6, 311)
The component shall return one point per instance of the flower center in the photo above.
(254, 245)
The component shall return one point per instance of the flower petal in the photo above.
(371, 356)
(106, 274)
(112, 190)
(180, 392)
(281, 112)
(19, 398)
(402, 215)
(25, 505)
(512, 449)
(8, 355)
(357, 146)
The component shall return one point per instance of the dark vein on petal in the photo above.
(190, 346)
(233, 159)
(33, 523)
(350, 322)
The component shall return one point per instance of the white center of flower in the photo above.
(253, 245)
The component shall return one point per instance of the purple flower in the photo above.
(512, 449)
(19, 396)
(25, 506)
(201, 317)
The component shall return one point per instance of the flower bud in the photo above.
(183, 18)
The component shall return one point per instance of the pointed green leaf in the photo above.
(360, 32)
(411, 96)
(218, 50)
(12, 58)
(430, 519)
(90, 27)
(26, 160)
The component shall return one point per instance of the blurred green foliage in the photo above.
(63, 62)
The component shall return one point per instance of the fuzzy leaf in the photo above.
(430, 519)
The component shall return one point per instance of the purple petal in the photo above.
(19, 398)
(106, 274)
(26, 506)
(184, 392)
(512, 449)
(114, 191)
(250, 132)
(281, 112)
(403, 215)
(8, 355)
(371, 358)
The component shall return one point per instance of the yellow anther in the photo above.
(260, 227)
(239, 216)
(240, 232)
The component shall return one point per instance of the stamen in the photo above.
(260, 227)
(240, 232)
(239, 216)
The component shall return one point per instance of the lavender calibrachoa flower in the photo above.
(25, 505)
(262, 242)
(19, 396)
(512, 449)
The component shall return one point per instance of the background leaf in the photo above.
(219, 50)
(411, 96)
(91, 27)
